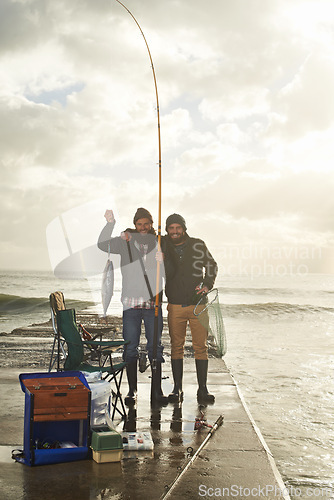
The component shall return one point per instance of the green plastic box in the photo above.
(104, 439)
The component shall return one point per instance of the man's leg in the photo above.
(199, 326)
(131, 331)
(177, 323)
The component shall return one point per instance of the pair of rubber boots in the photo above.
(203, 395)
(131, 397)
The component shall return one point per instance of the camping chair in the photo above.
(57, 303)
(75, 349)
(58, 353)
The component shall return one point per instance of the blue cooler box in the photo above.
(56, 417)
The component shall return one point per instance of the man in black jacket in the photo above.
(192, 273)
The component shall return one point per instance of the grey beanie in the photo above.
(176, 219)
(142, 213)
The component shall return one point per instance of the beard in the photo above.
(177, 240)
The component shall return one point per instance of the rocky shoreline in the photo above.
(30, 346)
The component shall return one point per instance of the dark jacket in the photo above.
(183, 274)
(133, 280)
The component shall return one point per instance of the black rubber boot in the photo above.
(203, 395)
(131, 373)
(177, 394)
(157, 396)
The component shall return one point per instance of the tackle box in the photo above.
(106, 444)
(137, 441)
(56, 417)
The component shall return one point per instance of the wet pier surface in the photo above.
(235, 463)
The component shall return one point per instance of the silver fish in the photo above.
(107, 285)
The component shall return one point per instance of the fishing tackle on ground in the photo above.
(170, 487)
(201, 422)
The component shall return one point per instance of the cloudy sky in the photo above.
(246, 92)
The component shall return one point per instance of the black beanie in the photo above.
(142, 213)
(176, 219)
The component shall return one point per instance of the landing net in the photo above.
(208, 311)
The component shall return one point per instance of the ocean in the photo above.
(280, 338)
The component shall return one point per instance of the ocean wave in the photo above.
(272, 291)
(272, 309)
(257, 291)
(16, 304)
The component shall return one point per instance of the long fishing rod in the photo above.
(157, 295)
(172, 485)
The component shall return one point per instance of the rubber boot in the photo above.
(177, 394)
(131, 373)
(158, 396)
(203, 395)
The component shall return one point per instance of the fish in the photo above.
(107, 290)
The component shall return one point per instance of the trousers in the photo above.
(178, 318)
(132, 321)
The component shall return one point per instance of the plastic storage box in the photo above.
(137, 441)
(100, 392)
(106, 444)
(101, 457)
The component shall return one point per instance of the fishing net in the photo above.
(208, 311)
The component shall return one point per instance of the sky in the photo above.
(246, 94)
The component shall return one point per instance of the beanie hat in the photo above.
(142, 213)
(176, 219)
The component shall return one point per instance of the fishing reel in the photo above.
(201, 422)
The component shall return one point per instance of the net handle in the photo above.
(209, 303)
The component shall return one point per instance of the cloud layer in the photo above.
(246, 106)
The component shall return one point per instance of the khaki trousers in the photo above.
(178, 319)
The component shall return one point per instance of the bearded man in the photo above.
(193, 272)
(138, 251)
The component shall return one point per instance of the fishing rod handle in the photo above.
(218, 422)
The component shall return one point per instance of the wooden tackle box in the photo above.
(57, 417)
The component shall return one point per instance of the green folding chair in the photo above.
(80, 355)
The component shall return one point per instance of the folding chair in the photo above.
(78, 352)
(58, 353)
(57, 303)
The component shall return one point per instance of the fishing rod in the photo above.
(157, 295)
(174, 483)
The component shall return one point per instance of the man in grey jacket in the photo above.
(138, 251)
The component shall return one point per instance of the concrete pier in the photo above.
(235, 463)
